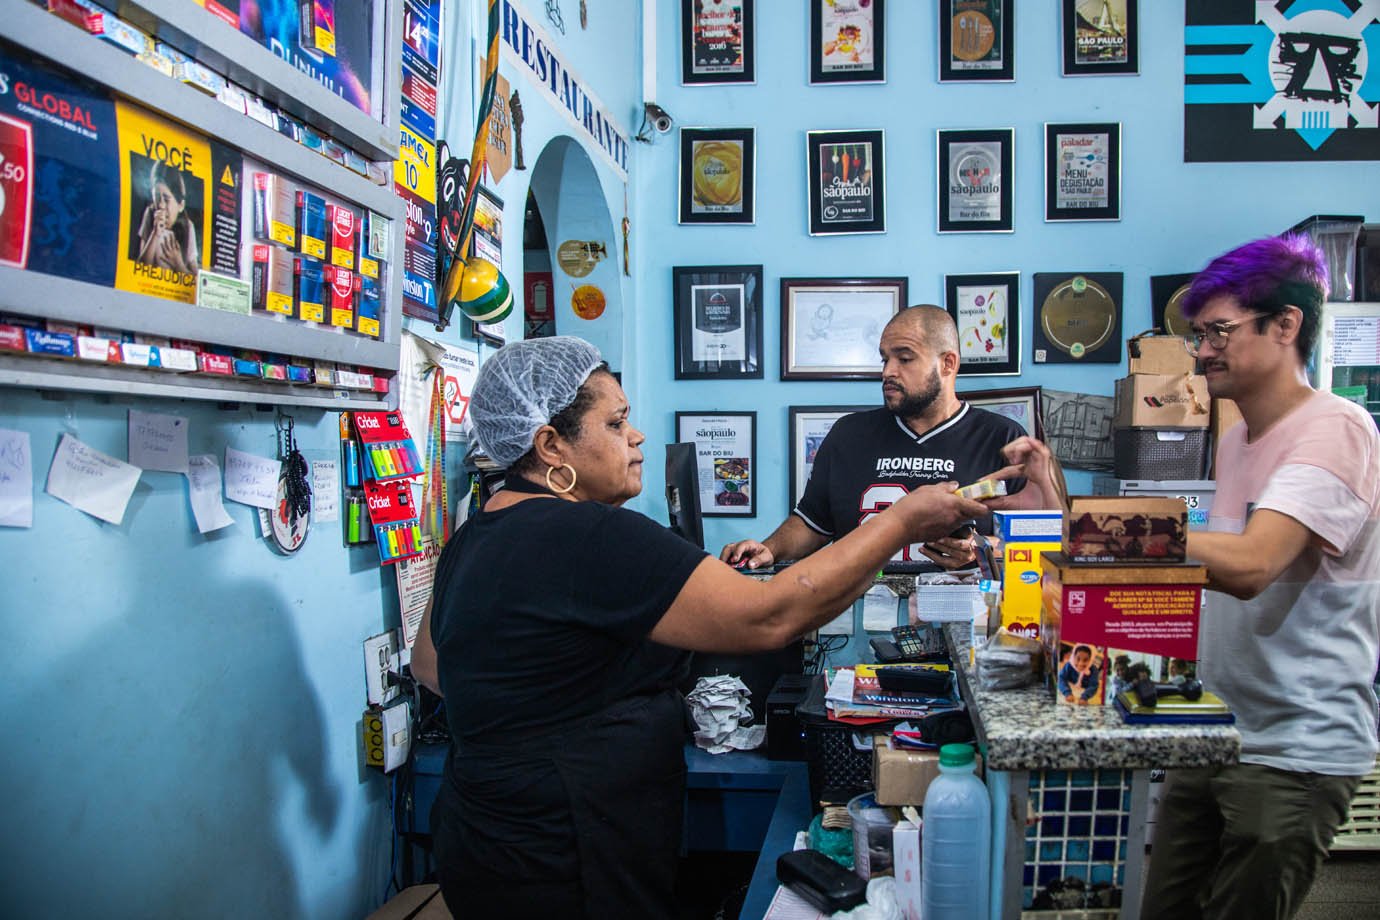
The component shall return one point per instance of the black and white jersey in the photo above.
(870, 459)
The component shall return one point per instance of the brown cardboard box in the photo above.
(1224, 416)
(1161, 401)
(901, 775)
(1125, 529)
(418, 902)
(1159, 354)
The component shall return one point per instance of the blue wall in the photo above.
(1176, 216)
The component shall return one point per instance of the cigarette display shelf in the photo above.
(32, 293)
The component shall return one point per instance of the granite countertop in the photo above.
(1025, 729)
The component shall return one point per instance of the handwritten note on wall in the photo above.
(203, 485)
(325, 491)
(158, 442)
(16, 479)
(251, 479)
(91, 481)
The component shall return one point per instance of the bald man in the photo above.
(925, 434)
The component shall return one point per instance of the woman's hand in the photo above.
(933, 512)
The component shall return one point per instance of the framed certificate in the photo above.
(976, 40)
(716, 41)
(1100, 37)
(726, 455)
(1020, 404)
(847, 182)
(718, 321)
(1083, 172)
(847, 41)
(717, 168)
(975, 180)
(986, 309)
(809, 425)
(1077, 318)
(831, 327)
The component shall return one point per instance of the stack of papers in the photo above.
(855, 696)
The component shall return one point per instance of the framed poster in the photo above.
(726, 452)
(975, 180)
(1100, 37)
(976, 40)
(808, 426)
(831, 327)
(1083, 172)
(487, 243)
(717, 169)
(718, 321)
(986, 309)
(1077, 318)
(1166, 300)
(1020, 404)
(847, 41)
(847, 182)
(716, 41)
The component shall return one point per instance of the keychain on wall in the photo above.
(291, 515)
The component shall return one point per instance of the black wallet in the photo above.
(820, 881)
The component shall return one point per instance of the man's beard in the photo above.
(915, 404)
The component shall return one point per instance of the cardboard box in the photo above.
(1025, 535)
(905, 851)
(1126, 528)
(1153, 609)
(417, 902)
(1224, 415)
(1159, 354)
(1161, 401)
(901, 775)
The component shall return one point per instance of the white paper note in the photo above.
(203, 486)
(325, 491)
(91, 481)
(251, 479)
(158, 442)
(16, 479)
(880, 609)
(841, 625)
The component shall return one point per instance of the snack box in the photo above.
(1125, 528)
(1025, 537)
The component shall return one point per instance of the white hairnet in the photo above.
(522, 387)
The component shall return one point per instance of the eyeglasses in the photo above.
(1216, 333)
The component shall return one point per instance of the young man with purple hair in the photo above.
(1291, 631)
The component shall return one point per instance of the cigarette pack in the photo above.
(311, 291)
(275, 202)
(273, 276)
(311, 224)
(380, 236)
(341, 284)
(41, 342)
(316, 27)
(370, 302)
(122, 34)
(342, 222)
(1126, 528)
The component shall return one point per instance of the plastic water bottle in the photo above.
(955, 842)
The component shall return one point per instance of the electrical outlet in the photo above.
(387, 735)
(381, 658)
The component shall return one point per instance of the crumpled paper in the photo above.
(720, 708)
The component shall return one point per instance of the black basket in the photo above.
(835, 763)
(1160, 453)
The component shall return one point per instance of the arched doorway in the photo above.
(571, 268)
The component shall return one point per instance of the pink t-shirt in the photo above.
(1296, 663)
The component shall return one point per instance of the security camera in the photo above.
(657, 117)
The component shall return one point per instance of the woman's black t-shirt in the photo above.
(541, 612)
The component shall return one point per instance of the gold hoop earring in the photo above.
(573, 477)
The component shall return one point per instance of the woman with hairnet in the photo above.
(555, 635)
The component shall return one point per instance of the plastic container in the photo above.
(872, 826)
(956, 844)
(1159, 453)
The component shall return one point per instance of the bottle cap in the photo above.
(955, 755)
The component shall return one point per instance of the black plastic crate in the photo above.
(1160, 453)
(834, 760)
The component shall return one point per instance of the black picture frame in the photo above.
(727, 299)
(1166, 294)
(977, 45)
(1078, 318)
(808, 426)
(710, 159)
(1095, 48)
(869, 40)
(841, 198)
(840, 337)
(987, 310)
(971, 159)
(1023, 405)
(725, 475)
(710, 58)
(1083, 171)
